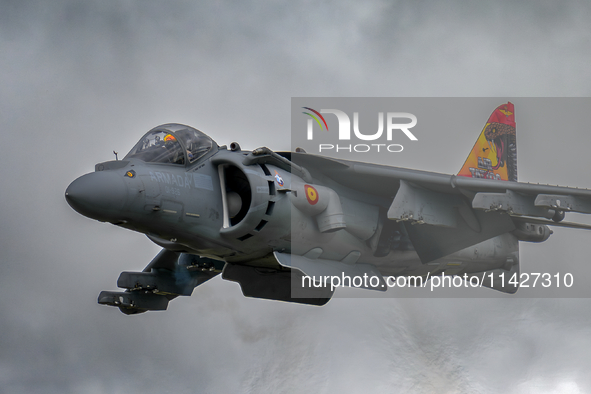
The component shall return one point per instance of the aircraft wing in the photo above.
(385, 180)
(446, 213)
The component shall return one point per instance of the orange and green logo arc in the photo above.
(311, 194)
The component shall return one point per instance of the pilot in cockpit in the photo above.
(175, 154)
(163, 146)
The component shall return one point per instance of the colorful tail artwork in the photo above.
(494, 155)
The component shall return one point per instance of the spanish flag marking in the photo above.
(311, 194)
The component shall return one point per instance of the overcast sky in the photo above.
(79, 79)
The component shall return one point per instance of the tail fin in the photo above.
(494, 155)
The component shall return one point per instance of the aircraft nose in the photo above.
(98, 195)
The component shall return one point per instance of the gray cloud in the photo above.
(80, 79)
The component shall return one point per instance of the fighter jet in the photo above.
(267, 220)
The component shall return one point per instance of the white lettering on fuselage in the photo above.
(171, 179)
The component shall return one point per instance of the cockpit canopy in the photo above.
(172, 143)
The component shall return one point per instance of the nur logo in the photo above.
(344, 132)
